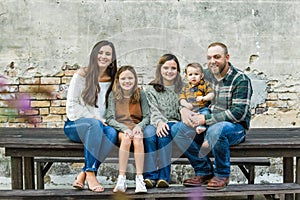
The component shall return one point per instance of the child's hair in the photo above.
(117, 90)
(194, 65)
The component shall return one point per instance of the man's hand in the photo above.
(191, 118)
(197, 119)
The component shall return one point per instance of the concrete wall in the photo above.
(40, 36)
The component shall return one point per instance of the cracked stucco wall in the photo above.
(40, 37)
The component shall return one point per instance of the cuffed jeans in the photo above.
(158, 154)
(220, 137)
(98, 140)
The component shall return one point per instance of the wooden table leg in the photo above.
(297, 176)
(29, 173)
(288, 174)
(16, 173)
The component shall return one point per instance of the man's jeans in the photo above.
(98, 140)
(158, 154)
(220, 137)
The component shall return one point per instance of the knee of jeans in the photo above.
(174, 129)
(94, 122)
(110, 133)
(149, 140)
(149, 131)
(162, 141)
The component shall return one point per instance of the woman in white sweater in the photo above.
(86, 105)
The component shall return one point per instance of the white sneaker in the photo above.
(121, 184)
(140, 186)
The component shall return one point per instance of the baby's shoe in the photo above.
(121, 184)
(205, 144)
(200, 129)
(140, 186)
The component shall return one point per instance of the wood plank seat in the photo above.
(174, 191)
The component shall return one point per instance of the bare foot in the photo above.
(93, 183)
(200, 129)
(79, 181)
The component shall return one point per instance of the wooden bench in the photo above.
(174, 192)
(246, 165)
(24, 145)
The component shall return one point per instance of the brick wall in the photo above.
(40, 101)
(34, 101)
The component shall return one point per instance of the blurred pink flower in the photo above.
(196, 194)
(3, 81)
(23, 102)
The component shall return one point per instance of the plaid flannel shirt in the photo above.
(232, 98)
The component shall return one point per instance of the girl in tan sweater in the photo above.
(128, 113)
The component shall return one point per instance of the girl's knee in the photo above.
(125, 140)
(138, 141)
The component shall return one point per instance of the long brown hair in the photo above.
(158, 81)
(92, 88)
(117, 90)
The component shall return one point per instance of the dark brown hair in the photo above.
(92, 88)
(158, 81)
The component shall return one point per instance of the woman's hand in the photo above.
(162, 129)
(101, 120)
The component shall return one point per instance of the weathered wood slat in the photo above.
(55, 138)
(172, 192)
(234, 161)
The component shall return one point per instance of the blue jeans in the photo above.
(204, 111)
(98, 140)
(220, 137)
(158, 154)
